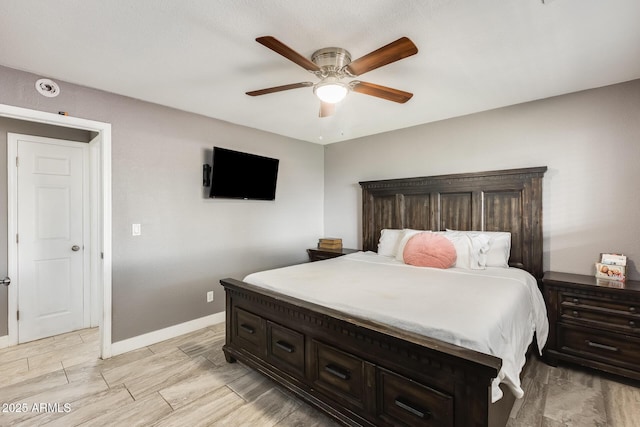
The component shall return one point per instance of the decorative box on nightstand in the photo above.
(316, 254)
(593, 323)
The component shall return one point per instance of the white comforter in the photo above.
(493, 311)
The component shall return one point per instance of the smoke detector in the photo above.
(48, 88)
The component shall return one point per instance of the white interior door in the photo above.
(51, 237)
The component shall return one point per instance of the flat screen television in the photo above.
(237, 175)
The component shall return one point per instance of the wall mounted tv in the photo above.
(237, 175)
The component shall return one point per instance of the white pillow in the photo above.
(389, 240)
(468, 249)
(499, 249)
(407, 233)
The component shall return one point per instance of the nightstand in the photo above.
(316, 254)
(593, 325)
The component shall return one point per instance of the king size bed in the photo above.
(373, 341)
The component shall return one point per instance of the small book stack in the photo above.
(330, 243)
(612, 267)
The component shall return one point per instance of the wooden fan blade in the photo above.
(383, 92)
(284, 50)
(279, 88)
(394, 51)
(327, 109)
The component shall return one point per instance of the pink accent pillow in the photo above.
(429, 250)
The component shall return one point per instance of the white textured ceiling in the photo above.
(201, 55)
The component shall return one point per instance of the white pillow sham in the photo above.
(499, 247)
(389, 240)
(499, 250)
(468, 249)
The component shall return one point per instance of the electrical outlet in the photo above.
(209, 296)
(136, 230)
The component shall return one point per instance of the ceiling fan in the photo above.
(333, 64)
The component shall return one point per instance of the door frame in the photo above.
(101, 224)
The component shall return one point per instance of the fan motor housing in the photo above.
(331, 59)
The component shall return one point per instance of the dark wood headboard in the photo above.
(506, 200)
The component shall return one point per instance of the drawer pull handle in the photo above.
(575, 314)
(407, 406)
(337, 372)
(248, 329)
(601, 346)
(285, 346)
(632, 323)
(632, 309)
(576, 301)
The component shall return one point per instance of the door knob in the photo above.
(6, 281)
(75, 248)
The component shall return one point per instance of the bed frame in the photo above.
(364, 373)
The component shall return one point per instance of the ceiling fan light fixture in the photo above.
(331, 90)
(332, 64)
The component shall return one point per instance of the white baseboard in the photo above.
(4, 341)
(165, 334)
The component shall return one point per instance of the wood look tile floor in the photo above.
(185, 381)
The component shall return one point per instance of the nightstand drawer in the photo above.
(317, 254)
(622, 307)
(601, 317)
(614, 349)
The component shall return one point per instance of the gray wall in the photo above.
(188, 242)
(589, 140)
(17, 126)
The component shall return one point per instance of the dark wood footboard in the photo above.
(358, 371)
